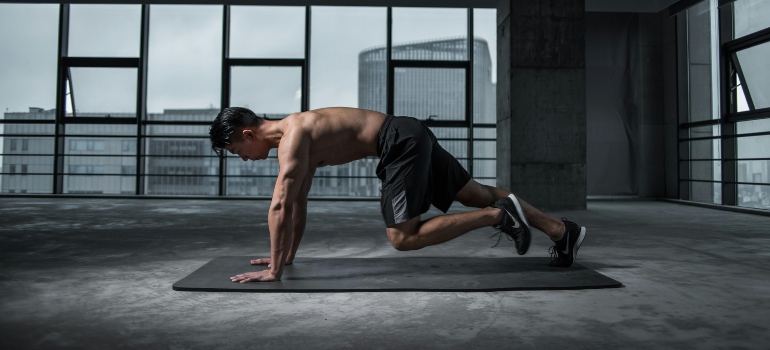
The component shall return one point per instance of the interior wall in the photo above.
(613, 103)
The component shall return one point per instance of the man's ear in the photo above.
(248, 134)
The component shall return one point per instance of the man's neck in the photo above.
(272, 131)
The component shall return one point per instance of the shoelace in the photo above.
(499, 236)
(554, 252)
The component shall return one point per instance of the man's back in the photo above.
(338, 135)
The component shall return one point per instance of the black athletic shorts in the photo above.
(415, 171)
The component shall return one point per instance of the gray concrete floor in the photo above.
(97, 273)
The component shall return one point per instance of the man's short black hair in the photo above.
(227, 123)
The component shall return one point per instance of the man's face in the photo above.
(248, 147)
(240, 150)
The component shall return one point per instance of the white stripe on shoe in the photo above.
(518, 209)
(578, 243)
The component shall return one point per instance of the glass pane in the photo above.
(761, 125)
(32, 163)
(705, 192)
(27, 129)
(251, 178)
(430, 34)
(104, 30)
(372, 80)
(180, 184)
(449, 133)
(197, 115)
(81, 165)
(742, 104)
(250, 186)
(194, 149)
(754, 63)
(177, 130)
(92, 146)
(699, 44)
(753, 147)
(485, 149)
(484, 169)
(101, 129)
(184, 58)
(705, 149)
(102, 92)
(349, 180)
(754, 196)
(274, 91)
(485, 65)
(430, 93)
(750, 16)
(17, 145)
(28, 45)
(264, 167)
(26, 162)
(267, 32)
(705, 170)
(27, 184)
(345, 69)
(485, 133)
(754, 171)
(181, 167)
(99, 184)
(705, 131)
(358, 176)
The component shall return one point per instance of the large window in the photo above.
(28, 44)
(123, 106)
(748, 114)
(724, 103)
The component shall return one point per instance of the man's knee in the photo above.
(399, 242)
(401, 236)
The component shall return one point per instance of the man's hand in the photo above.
(261, 276)
(265, 261)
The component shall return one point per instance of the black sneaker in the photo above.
(564, 252)
(514, 223)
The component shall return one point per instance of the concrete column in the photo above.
(541, 102)
(652, 127)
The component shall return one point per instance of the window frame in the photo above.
(729, 70)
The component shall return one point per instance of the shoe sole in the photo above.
(578, 243)
(523, 218)
(518, 209)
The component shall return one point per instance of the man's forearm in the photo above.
(299, 218)
(280, 223)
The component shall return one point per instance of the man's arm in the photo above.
(293, 156)
(300, 215)
(299, 219)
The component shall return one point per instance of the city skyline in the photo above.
(187, 166)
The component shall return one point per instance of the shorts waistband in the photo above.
(381, 134)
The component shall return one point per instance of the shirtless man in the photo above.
(415, 172)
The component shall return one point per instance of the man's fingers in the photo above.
(260, 261)
(263, 276)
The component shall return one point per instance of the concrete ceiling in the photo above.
(627, 5)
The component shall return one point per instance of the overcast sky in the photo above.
(184, 65)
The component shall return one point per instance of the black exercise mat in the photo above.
(397, 274)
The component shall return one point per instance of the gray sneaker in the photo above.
(514, 224)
